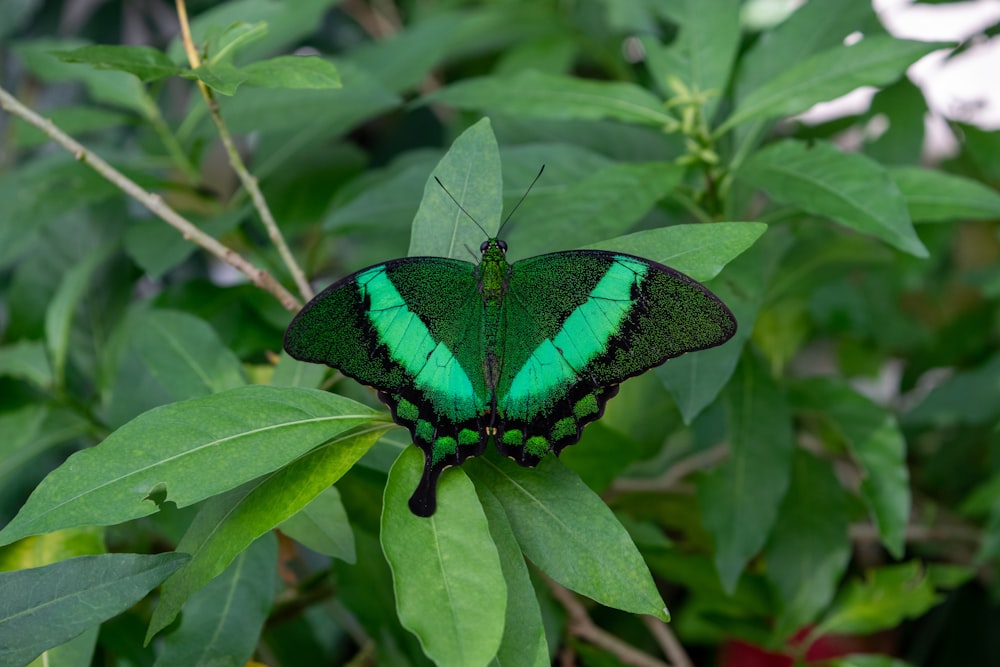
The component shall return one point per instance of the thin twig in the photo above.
(674, 474)
(248, 180)
(153, 202)
(581, 626)
(667, 640)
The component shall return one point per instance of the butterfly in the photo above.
(525, 353)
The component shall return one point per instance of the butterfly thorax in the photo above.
(492, 276)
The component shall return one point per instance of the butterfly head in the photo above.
(496, 244)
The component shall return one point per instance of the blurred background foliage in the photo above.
(827, 483)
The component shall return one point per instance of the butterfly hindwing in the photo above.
(411, 329)
(580, 322)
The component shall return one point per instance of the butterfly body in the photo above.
(526, 353)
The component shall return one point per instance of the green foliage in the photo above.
(832, 470)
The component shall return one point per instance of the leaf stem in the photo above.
(153, 202)
(236, 161)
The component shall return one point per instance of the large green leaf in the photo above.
(183, 453)
(227, 524)
(450, 588)
(739, 500)
(471, 173)
(874, 61)
(569, 533)
(222, 621)
(934, 196)
(531, 93)
(166, 356)
(876, 444)
(809, 548)
(699, 250)
(45, 606)
(523, 640)
(850, 188)
(813, 27)
(606, 203)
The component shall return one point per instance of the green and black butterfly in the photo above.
(526, 353)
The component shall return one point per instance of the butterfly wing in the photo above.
(580, 322)
(411, 328)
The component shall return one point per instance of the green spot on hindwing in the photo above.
(537, 445)
(424, 430)
(468, 437)
(564, 428)
(513, 437)
(586, 406)
(444, 446)
(406, 410)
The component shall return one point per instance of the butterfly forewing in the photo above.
(580, 322)
(411, 329)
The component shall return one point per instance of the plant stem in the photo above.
(153, 202)
(580, 625)
(236, 161)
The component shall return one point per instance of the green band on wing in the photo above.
(583, 336)
(435, 370)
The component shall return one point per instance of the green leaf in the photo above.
(223, 46)
(876, 444)
(31, 430)
(874, 61)
(145, 62)
(45, 606)
(323, 526)
(227, 524)
(183, 453)
(27, 360)
(701, 56)
(815, 26)
(591, 209)
(969, 396)
(739, 500)
(523, 640)
(699, 250)
(59, 314)
(222, 76)
(222, 622)
(471, 173)
(293, 72)
(289, 372)
(695, 380)
(109, 87)
(569, 533)
(165, 356)
(450, 589)
(849, 188)
(809, 548)
(934, 196)
(887, 596)
(560, 97)
(873, 660)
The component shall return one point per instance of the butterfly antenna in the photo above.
(521, 200)
(461, 208)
